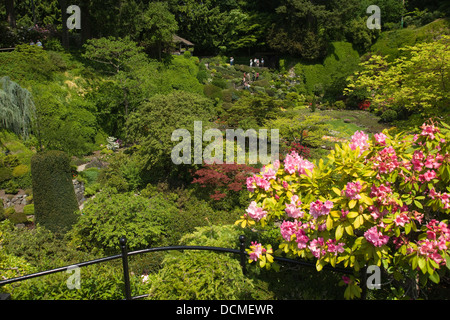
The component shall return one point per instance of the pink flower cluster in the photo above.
(293, 162)
(257, 251)
(380, 138)
(319, 247)
(375, 237)
(256, 181)
(289, 228)
(382, 193)
(255, 212)
(293, 209)
(444, 197)
(319, 208)
(401, 219)
(429, 131)
(352, 190)
(262, 181)
(386, 160)
(438, 239)
(361, 140)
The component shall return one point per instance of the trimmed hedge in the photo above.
(55, 203)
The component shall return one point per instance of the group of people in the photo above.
(38, 43)
(253, 62)
(248, 78)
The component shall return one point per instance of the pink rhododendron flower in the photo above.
(288, 228)
(380, 138)
(386, 160)
(293, 162)
(375, 237)
(417, 160)
(268, 173)
(256, 252)
(318, 208)
(292, 209)
(401, 219)
(361, 140)
(429, 249)
(251, 184)
(352, 190)
(316, 247)
(255, 212)
(444, 197)
(429, 130)
(262, 183)
(334, 247)
(430, 175)
(301, 238)
(433, 162)
(382, 193)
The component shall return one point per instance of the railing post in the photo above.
(363, 283)
(243, 254)
(126, 275)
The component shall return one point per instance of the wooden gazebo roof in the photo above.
(178, 39)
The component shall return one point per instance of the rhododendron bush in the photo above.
(378, 201)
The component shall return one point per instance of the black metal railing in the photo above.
(126, 276)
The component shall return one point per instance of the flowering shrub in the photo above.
(379, 201)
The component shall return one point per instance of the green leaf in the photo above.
(339, 232)
(349, 229)
(352, 204)
(422, 265)
(329, 223)
(434, 277)
(418, 204)
(337, 191)
(352, 214)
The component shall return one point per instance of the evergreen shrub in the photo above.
(54, 197)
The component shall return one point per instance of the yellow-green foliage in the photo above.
(20, 170)
(417, 81)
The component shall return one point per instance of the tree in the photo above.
(152, 124)
(55, 203)
(159, 26)
(10, 13)
(119, 57)
(300, 29)
(306, 129)
(418, 81)
(17, 110)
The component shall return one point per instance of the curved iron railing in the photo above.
(125, 254)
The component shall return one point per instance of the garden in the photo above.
(362, 179)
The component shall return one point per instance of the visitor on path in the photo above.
(231, 61)
(262, 62)
(39, 43)
(251, 63)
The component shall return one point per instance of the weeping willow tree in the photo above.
(17, 109)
